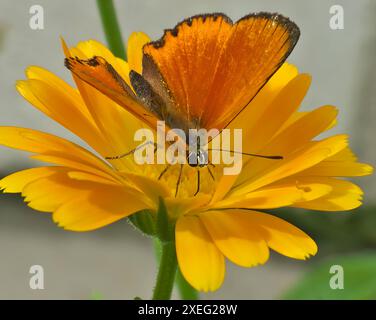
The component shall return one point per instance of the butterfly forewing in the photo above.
(102, 76)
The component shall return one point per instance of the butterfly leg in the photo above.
(179, 179)
(164, 171)
(198, 182)
(210, 172)
(133, 151)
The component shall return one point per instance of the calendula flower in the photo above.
(225, 220)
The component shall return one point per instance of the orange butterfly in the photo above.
(201, 74)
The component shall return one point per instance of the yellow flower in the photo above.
(84, 191)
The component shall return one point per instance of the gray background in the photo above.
(117, 262)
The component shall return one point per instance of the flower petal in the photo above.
(223, 187)
(136, 41)
(153, 188)
(78, 204)
(339, 169)
(278, 112)
(252, 113)
(48, 193)
(98, 208)
(344, 196)
(63, 105)
(283, 237)
(238, 238)
(91, 48)
(304, 158)
(84, 176)
(267, 198)
(16, 182)
(200, 261)
(302, 130)
(43, 143)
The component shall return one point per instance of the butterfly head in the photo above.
(198, 158)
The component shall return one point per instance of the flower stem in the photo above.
(166, 272)
(111, 27)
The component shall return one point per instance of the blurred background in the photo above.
(116, 262)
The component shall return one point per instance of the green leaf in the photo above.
(144, 221)
(359, 280)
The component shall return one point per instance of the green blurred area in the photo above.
(346, 239)
(337, 232)
(349, 277)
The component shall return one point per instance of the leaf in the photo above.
(359, 280)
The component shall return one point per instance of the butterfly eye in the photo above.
(192, 159)
(202, 158)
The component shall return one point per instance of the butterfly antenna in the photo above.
(133, 151)
(179, 179)
(250, 154)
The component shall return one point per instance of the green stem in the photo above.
(111, 27)
(186, 291)
(166, 272)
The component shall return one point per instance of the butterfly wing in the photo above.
(214, 68)
(102, 76)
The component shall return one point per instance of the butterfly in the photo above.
(201, 74)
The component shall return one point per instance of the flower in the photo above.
(84, 191)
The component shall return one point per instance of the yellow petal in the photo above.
(98, 208)
(238, 238)
(84, 176)
(190, 205)
(311, 187)
(223, 187)
(15, 182)
(91, 48)
(283, 237)
(304, 158)
(65, 160)
(49, 145)
(268, 198)
(62, 105)
(302, 130)
(134, 50)
(200, 261)
(277, 113)
(48, 193)
(339, 169)
(58, 84)
(344, 196)
(345, 155)
(153, 188)
(252, 113)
